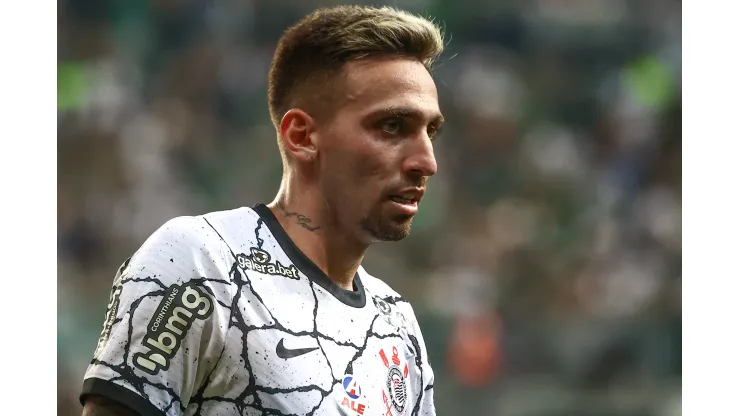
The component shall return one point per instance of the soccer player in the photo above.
(267, 310)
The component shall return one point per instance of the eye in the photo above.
(392, 127)
(433, 132)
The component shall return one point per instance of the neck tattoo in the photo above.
(303, 220)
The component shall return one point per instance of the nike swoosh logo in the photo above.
(286, 353)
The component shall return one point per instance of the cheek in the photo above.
(370, 168)
(361, 165)
(354, 177)
(355, 183)
(376, 160)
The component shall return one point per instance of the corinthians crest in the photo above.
(395, 392)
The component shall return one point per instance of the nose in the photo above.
(420, 160)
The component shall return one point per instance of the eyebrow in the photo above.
(407, 112)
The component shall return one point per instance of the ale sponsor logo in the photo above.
(352, 398)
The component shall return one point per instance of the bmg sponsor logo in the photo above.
(181, 306)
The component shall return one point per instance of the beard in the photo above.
(375, 225)
(382, 226)
(352, 209)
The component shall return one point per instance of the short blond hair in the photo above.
(312, 52)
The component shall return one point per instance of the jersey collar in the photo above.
(354, 298)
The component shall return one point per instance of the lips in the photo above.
(402, 200)
(408, 196)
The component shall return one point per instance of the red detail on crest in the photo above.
(387, 405)
(406, 371)
(384, 358)
(395, 359)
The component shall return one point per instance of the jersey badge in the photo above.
(352, 398)
(395, 391)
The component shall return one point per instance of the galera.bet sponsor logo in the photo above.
(259, 261)
(181, 306)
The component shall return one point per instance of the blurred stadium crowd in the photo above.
(545, 263)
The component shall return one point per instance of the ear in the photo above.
(297, 130)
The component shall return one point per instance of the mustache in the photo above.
(419, 183)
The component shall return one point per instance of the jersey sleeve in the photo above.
(424, 400)
(427, 392)
(165, 323)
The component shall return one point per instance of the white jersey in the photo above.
(222, 314)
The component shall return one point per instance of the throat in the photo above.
(299, 219)
(344, 281)
(325, 246)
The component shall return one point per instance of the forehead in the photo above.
(382, 83)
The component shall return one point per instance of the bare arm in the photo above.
(100, 406)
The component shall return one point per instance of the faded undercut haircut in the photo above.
(311, 53)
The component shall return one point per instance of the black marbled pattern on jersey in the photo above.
(234, 382)
(125, 372)
(253, 389)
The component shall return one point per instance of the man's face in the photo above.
(376, 151)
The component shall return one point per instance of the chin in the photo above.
(389, 230)
(396, 235)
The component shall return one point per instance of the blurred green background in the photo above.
(545, 265)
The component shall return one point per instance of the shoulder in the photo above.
(200, 236)
(237, 220)
(377, 287)
(395, 309)
(180, 239)
(189, 250)
(237, 228)
(381, 292)
(186, 248)
(206, 228)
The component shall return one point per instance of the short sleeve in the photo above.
(165, 323)
(425, 398)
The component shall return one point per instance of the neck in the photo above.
(309, 224)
